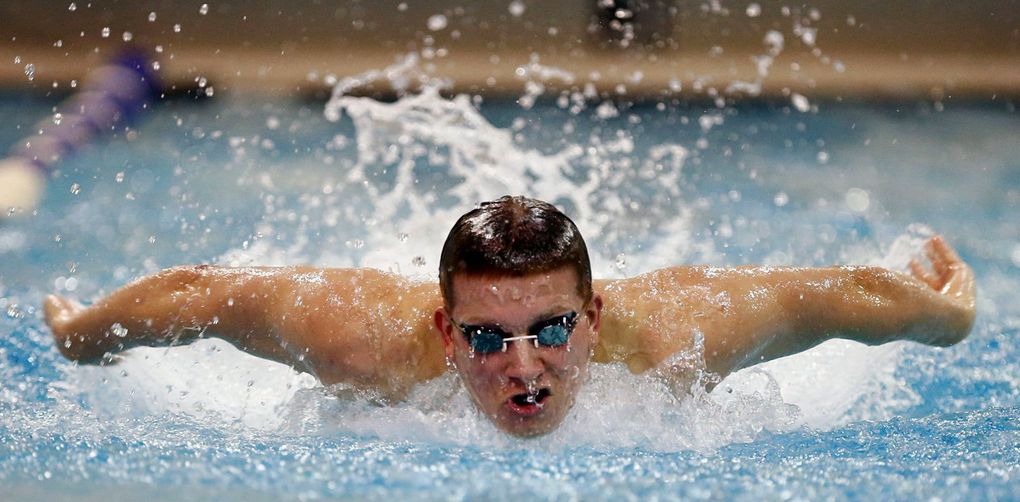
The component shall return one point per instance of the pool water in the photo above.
(248, 179)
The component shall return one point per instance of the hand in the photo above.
(60, 312)
(950, 277)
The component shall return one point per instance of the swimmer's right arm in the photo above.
(355, 325)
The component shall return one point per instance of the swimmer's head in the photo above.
(513, 236)
(520, 321)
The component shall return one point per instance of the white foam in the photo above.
(822, 388)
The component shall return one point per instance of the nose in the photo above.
(523, 361)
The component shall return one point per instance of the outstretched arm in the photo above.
(748, 315)
(359, 326)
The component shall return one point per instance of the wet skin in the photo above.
(526, 390)
(386, 334)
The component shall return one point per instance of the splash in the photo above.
(420, 162)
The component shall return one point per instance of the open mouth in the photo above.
(528, 403)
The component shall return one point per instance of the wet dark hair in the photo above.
(513, 236)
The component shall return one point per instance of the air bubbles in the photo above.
(73, 7)
(152, 17)
(753, 10)
(204, 9)
(516, 8)
(105, 32)
(418, 261)
(822, 157)
(75, 189)
(127, 36)
(30, 71)
(437, 22)
(177, 28)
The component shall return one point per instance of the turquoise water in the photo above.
(252, 180)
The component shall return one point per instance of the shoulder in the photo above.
(651, 317)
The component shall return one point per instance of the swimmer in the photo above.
(517, 315)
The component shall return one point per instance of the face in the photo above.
(526, 390)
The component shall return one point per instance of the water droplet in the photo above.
(402, 237)
(74, 83)
(17, 59)
(119, 178)
(273, 123)
(75, 188)
(14, 312)
(127, 36)
(857, 200)
(152, 239)
(621, 261)
(152, 17)
(418, 261)
(73, 7)
(155, 65)
(437, 22)
(516, 8)
(118, 330)
(177, 28)
(57, 118)
(800, 102)
(1015, 255)
(30, 71)
(105, 32)
(204, 9)
(781, 199)
(753, 10)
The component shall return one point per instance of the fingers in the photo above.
(57, 309)
(53, 308)
(923, 275)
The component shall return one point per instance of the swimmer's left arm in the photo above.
(780, 312)
(739, 317)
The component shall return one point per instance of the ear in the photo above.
(444, 325)
(594, 314)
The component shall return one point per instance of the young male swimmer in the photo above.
(517, 315)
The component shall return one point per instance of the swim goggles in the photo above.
(551, 332)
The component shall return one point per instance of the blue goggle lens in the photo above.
(552, 332)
